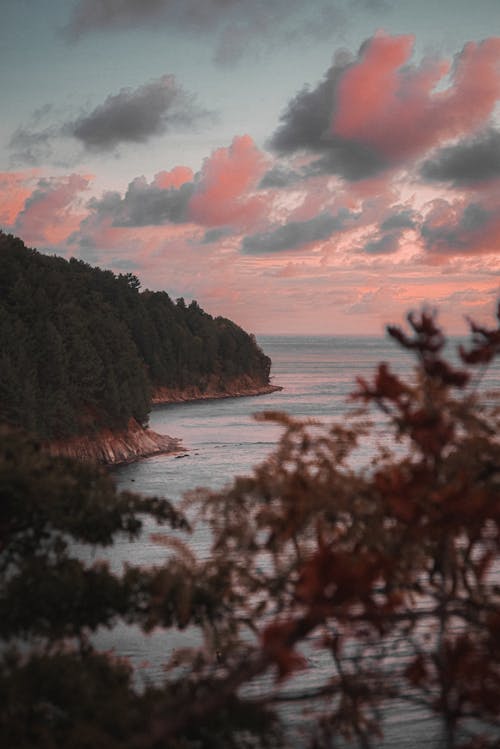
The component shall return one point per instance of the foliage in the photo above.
(82, 349)
(55, 689)
(387, 574)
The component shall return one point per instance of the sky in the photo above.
(301, 168)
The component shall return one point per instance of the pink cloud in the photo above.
(140, 246)
(52, 211)
(15, 189)
(227, 177)
(174, 178)
(393, 107)
(316, 198)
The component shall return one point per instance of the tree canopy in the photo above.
(82, 348)
(387, 572)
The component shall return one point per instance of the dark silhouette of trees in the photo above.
(82, 349)
(388, 573)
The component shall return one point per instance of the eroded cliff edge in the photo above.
(115, 447)
(237, 387)
(110, 447)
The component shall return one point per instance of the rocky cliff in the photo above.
(236, 387)
(114, 447)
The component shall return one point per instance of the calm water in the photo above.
(223, 440)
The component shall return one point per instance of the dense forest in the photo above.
(355, 596)
(82, 348)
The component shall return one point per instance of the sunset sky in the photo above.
(299, 167)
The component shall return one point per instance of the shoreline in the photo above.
(116, 448)
(113, 448)
(171, 396)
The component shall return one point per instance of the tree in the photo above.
(389, 571)
(56, 690)
(83, 349)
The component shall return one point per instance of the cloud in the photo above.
(33, 143)
(393, 106)
(136, 115)
(306, 120)
(471, 161)
(379, 110)
(384, 245)
(280, 176)
(32, 146)
(15, 189)
(110, 15)
(237, 27)
(130, 116)
(461, 228)
(306, 127)
(262, 25)
(214, 235)
(53, 210)
(326, 21)
(176, 177)
(353, 161)
(294, 234)
(369, 302)
(403, 219)
(164, 200)
(223, 194)
(220, 195)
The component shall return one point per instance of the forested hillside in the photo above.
(82, 348)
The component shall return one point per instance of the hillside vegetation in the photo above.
(82, 348)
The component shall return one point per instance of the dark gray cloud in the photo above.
(463, 235)
(351, 160)
(238, 26)
(472, 160)
(136, 115)
(384, 245)
(403, 219)
(281, 176)
(33, 143)
(318, 18)
(294, 234)
(32, 147)
(257, 26)
(144, 204)
(347, 158)
(305, 123)
(213, 235)
(130, 116)
(305, 126)
(110, 15)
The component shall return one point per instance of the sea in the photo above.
(222, 439)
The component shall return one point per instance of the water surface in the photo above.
(222, 440)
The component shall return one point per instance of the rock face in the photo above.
(111, 448)
(236, 388)
(114, 447)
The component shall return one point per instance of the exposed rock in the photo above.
(111, 448)
(114, 447)
(238, 387)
